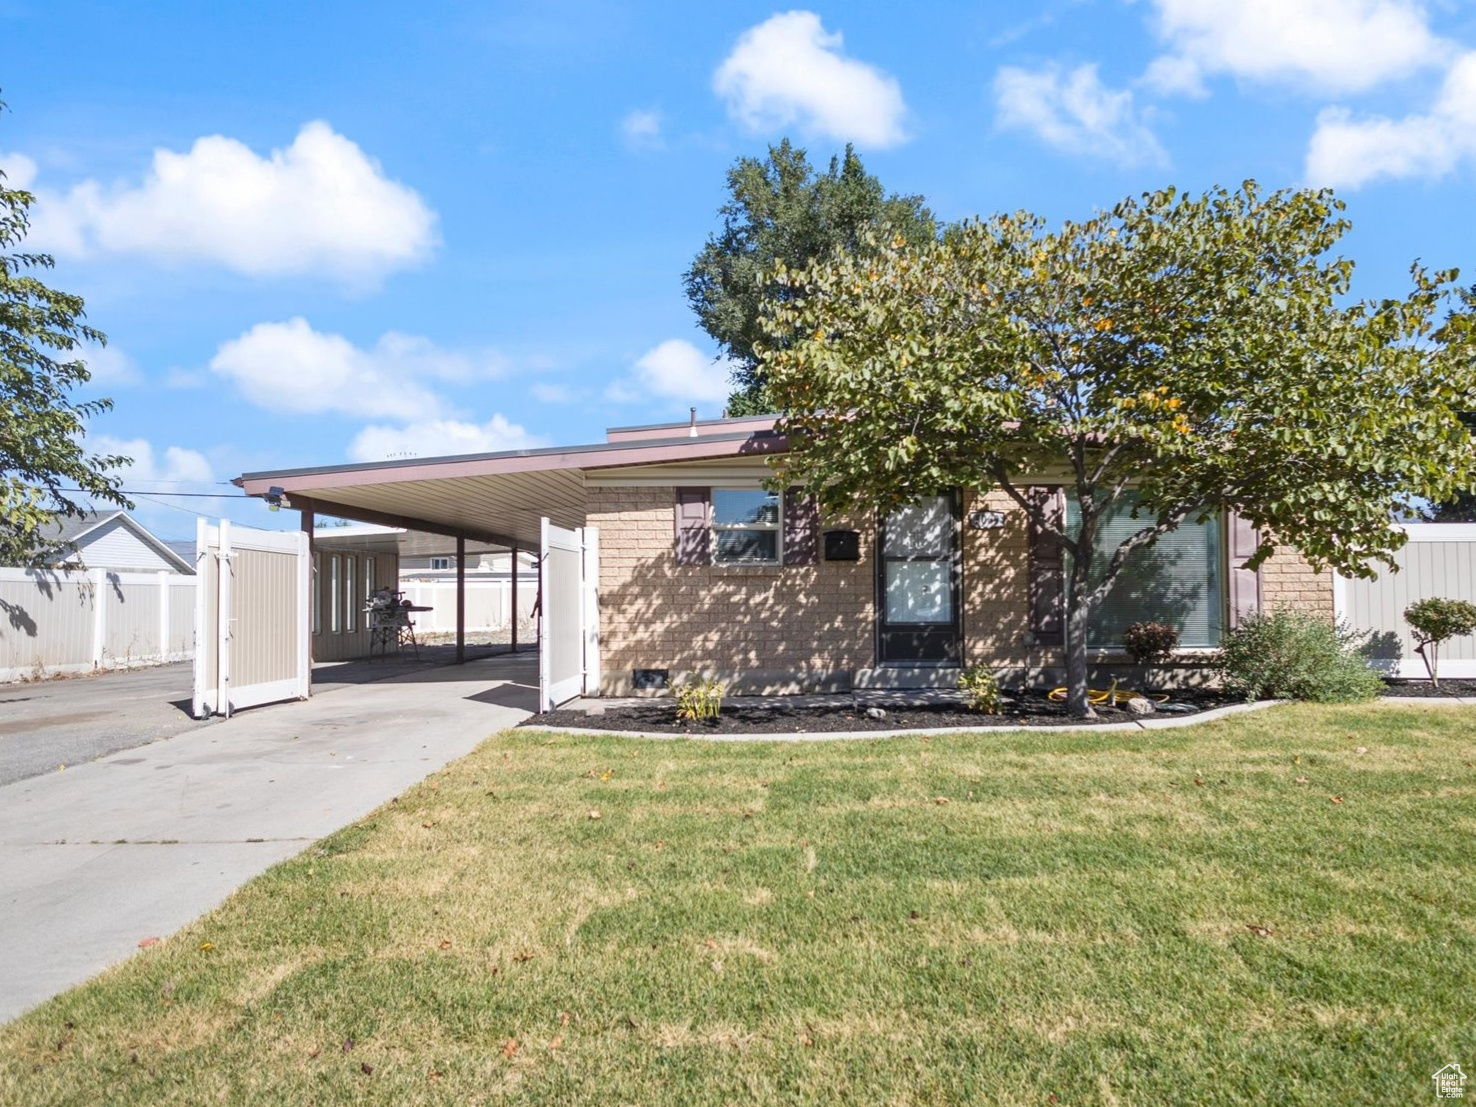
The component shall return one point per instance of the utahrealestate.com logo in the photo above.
(1450, 1082)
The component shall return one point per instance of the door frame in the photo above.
(879, 623)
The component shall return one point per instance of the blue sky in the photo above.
(325, 232)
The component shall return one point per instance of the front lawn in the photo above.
(1276, 907)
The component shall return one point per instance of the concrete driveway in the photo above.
(140, 842)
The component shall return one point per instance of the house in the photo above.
(700, 570)
(117, 542)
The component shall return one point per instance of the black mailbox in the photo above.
(842, 545)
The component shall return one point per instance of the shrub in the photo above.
(1149, 643)
(1296, 656)
(1435, 620)
(700, 699)
(980, 689)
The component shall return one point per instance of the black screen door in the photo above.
(917, 587)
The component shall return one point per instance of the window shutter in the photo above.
(1245, 584)
(693, 526)
(801, 529)
(1047, 571)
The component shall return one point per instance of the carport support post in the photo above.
(514, 619)
(307, 528)
(460, 600)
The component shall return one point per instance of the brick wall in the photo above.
(793, 628)
(1289, 582)
(801, 628)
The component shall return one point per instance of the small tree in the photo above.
(43, 463)
(782, 211)
(1193, 352)
(1433, 622)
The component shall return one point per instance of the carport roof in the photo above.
(498, 497)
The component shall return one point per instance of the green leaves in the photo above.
(782, 216)
(41, 428)
(1197, 350)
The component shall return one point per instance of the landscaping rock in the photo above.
(1141, 705)
(875, 713)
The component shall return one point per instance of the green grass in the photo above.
(809, 923)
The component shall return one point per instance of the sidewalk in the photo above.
(95, 858)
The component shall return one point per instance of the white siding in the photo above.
(114, 546)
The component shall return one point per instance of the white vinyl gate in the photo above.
(251, 617)
(568, 632)
(1439, 560)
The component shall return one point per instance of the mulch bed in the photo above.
(777, 717)
(1448, 688)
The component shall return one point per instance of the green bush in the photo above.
(700, 699)
(1292, 655)
(1433, 621)
(1149, 643)
(981, 690)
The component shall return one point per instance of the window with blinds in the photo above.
(1179, 580)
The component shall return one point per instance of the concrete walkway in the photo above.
(96, 858)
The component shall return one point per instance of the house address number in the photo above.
(986, 520)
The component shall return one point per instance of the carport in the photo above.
(517, 500)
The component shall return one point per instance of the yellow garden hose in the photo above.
(1113, 696)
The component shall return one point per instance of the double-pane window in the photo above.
(745, 527)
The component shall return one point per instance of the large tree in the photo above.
(782, 212)
(45, 471)
(1197, 354)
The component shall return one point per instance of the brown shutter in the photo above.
(1244, 584)
(801, 529)
(1047, 570)
(693, 529)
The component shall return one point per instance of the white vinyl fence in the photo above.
(53, 621)
(488, 604)
(1438, 561)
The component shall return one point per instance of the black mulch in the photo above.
(777, 717)
(1425, 688)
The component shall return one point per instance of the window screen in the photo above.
(745, 527)
(1179, 580)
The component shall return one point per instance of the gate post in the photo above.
(309, 520)
(460, 600)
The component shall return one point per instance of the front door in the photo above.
(917, 587)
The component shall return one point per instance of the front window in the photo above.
(745, 527)
(1178, 580)
(440, 563)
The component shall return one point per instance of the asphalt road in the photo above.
(68, 721)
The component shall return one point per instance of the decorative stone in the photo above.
(875, 713)
(1141, 705)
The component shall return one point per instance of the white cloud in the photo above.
(111, 368)
(642, 129)
(291, 367)
(440, 438)
(790, 70)
(19, 170)
(1076, 113)
(551, 393)
(1329, 45)
(174, 465)
(1348, 152)
(676, 370)
(320, 206)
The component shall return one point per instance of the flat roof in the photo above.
(499, 498)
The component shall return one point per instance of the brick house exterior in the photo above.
(795, 628)
(803, 616)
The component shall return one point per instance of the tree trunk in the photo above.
(1077, 613)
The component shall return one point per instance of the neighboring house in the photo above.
(700, 570)
(117, 542)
